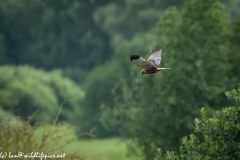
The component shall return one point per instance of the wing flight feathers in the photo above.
(156, 55)
(141, 62)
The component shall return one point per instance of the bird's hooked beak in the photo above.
(142, 73)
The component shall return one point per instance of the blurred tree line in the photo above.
(78, 51)
(52, 34)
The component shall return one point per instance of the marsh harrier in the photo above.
(150, 65)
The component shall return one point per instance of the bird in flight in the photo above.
(150, 65)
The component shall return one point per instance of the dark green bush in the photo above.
(213, 138)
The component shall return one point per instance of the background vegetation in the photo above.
(75, 53)
(213, 138)
(19, 138)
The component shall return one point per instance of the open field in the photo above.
(101, 149)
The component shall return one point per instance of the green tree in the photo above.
(24, 90)
(213, 138)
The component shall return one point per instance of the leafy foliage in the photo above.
(234, 95)
(213, 138)
(25, 90)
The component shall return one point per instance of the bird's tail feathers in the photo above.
(163, 68)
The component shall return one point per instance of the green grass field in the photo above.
(101, 149)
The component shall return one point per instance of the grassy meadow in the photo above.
(101, 149)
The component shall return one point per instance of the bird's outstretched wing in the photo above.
(156, 56)
(141, 62)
